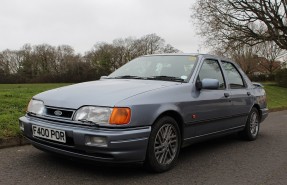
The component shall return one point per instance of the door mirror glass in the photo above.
(209, 83)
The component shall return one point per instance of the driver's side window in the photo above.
(211, 69)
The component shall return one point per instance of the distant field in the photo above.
(15, 97)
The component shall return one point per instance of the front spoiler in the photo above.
(124, 145)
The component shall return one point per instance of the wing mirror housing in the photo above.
(103, 77)
(207, 83)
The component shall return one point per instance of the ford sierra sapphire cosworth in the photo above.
(147, 110)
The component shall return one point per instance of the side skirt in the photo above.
(196, 139)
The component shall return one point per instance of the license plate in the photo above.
(49, 133)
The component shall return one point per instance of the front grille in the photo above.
(59, 113)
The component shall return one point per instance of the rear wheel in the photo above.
(164, 145)
(252, 126)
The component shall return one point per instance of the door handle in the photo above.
(248, 93)
(226, 95)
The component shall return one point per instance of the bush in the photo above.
(281, 78)
(262, 78)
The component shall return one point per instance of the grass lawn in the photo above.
(14, 99)
(276, 96)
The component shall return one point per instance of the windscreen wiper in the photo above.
(166, 78)
(128, 77)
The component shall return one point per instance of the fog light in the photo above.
(21, 125)
(96, 141)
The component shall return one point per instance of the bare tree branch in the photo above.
(242, 21)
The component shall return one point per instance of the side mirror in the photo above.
(207, 83)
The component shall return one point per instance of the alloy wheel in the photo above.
(254, 124)
(166, 144)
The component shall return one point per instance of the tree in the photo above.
(250, 22)
(270, 52)
(11, 59)
(170, 49)
(44, 58)
(46, 63)
(152, 44)
(105, 57)
(128, 48)
(64, 54)
(27, 67)
(101, 58)
(261, 58)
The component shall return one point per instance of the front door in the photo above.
(211, 108)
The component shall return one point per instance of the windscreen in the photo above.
(158, 67)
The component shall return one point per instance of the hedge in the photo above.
(281, 78)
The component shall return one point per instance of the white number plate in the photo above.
(48, 133)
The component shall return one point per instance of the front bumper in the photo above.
(124, 145)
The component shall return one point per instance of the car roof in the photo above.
(193, 54)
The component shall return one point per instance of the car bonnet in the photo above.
(99, 93)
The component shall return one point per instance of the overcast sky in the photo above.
(83, 23)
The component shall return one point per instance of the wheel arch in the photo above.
(175, 115)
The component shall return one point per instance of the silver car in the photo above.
(147, 110)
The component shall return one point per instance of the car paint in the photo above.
(200, 114)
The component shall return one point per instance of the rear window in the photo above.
(235, 80)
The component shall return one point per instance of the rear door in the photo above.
(240, 96)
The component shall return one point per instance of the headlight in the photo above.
(103, 115)
(99, 115)
(36, 107)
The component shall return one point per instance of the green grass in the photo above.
(276, 96)
(14, 99)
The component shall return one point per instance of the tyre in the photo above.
(251, 129)
(164, 145)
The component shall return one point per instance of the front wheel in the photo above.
(164, 145)
(251, 129)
